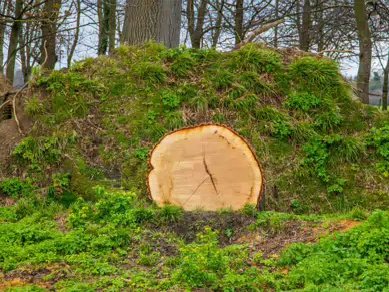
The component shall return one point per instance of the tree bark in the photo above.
(5, 8)
(100, 19)
(365, 49)
(196, 32)
(305, 26)
(13, 42)
(385, 86)
(239, 18)
(49, 34)
(158, 20)
(112, 26)
(76, 34)
(218, 24)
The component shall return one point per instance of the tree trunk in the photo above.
(100, 18)
(13, 42)
(196, 33)
(112, 26)
(305, 26)
(385, 86)
(239, 18)
(76, 34)
(49, 34)
(158, 20)
(208, 167)
(365, 47)
(5, 8)
(218, 24)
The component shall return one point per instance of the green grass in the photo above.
(120, 241)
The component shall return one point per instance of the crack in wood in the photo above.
(191, 195)
(210, 175)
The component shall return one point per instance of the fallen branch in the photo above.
(14, 107)
(334, 51)
(4, 103)
(252, 35)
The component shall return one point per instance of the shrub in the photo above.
(169, 214)
(303, 101)
(379, 139)
(15, 188)
(352, 259)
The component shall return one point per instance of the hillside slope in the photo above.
(96, 122)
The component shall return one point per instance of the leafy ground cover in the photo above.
(121, 241)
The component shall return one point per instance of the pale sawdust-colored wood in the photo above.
(206, 167)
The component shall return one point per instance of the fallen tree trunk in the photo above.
(207, 167)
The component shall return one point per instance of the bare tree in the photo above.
(76, 34)
(49, 24)
(196, 30)
(13, 41)
(305, 29)
(365, 49)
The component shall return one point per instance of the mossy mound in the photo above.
(100, 118)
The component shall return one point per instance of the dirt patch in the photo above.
(346, 225)
(43, 277)
(272, 243)
(230, 225)
(9, 132)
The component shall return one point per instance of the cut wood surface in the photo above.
(205, 167)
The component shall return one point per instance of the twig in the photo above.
(14, 107)
(334, 51)
(4, 103)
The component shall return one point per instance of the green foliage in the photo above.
(353, 260)
(317, 158)
(337, 187)
(170, 100)
(251, 58)
(379, 139)
(153, 73)
(35, 152)
(302, 101)
(34, 106)
(169, 214)
(314, 75)
(16, 188)
(183, 64)
(203, 264)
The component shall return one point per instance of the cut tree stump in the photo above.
(205, 167)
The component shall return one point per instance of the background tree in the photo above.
(157, 20)
(49, 33)
(365, 49)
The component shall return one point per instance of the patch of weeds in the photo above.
(338, 187)
(303, 101)
(169, 214)
(35, 152)
(379, 139)
(151, 72)
(350, 260)
(183, 63)
(253, 58)
(16, 188)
